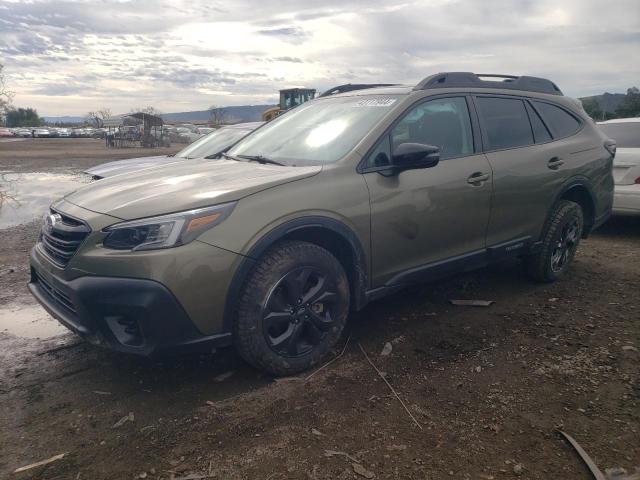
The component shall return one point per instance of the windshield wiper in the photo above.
(261, 159)
(226, 155)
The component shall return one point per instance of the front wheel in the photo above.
(559, 244)
(292, 309)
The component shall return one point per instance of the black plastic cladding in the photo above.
(472, 80)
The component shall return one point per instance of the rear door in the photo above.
(419, 217)
(528, 169)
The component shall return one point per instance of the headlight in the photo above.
(166, 231)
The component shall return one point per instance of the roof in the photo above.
(488, 80)
(118, 120)
(297, 90)
(469, 82)
(396, 90)
(349, 87)
(620, 120)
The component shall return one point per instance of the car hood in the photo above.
(117, 167)
(181, 186)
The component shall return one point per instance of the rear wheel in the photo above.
(293, 308)
(559, 244)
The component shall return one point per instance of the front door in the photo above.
(423, 216)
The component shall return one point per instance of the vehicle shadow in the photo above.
(87, 378)
(620, 227)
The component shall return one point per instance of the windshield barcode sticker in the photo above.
(376, 102)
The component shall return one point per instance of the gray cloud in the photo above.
(63, 54)
(290, 33)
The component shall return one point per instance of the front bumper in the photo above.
(126, 314)
(626, 200)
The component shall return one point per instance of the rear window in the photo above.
(626, 135)
(561, 123)
(505, 121)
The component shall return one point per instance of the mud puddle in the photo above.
(27, 196)
(29, 321)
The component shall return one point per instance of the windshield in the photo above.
(626, 135)
(213, 143)
(317, 132)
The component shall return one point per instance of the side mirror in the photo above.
(409, 156)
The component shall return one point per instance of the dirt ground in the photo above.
(488, 387)
(35, 154)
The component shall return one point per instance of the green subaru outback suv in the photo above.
(337, 203)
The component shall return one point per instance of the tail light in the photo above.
(610, 145)
(637, 182)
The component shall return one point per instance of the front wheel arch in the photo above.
(328, 233)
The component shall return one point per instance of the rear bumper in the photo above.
(626, 200)
(125, 314)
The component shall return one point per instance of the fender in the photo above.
(360, 274)
(578, 181)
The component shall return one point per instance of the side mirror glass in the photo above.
(408, 156)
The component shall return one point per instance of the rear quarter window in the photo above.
(505, 121)
(561, 122)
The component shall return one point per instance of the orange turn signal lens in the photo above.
(198, 223)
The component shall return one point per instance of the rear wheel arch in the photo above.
(330, 234)
(581, 194)
(578, 191)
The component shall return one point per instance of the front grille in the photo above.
(61, 236)
(55, 294)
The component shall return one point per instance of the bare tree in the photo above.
(217, 114)
(5, 94)
(97, 117)
(149, 110)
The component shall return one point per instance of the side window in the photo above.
(381, 155)
(561, 123)
(505, 121)
(540, 132)
(444, 123)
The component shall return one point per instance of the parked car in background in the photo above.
(187, 135)
(42, 133)
(337, 203)
(24, 132)
(64, 132)
(209, 146)
(626, 164)
(204, 130)
(5, 132)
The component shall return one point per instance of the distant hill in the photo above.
(609, 102)
(246, 113)
(66, 119)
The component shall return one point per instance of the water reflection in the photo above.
(27, 196)
(29, 321)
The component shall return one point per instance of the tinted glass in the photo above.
(540, 132)
(505, 121)
(443, 123)
(626, 135)
(561, 123)
(317, 132)
(213, 143)
(381, 155)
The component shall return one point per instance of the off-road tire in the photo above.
(540, 265)
(249, 335)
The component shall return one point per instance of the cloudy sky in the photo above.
(69, 57)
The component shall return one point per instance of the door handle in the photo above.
(555, 163)
(478, 178)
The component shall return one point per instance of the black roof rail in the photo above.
(472, 80)
(349, 87)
